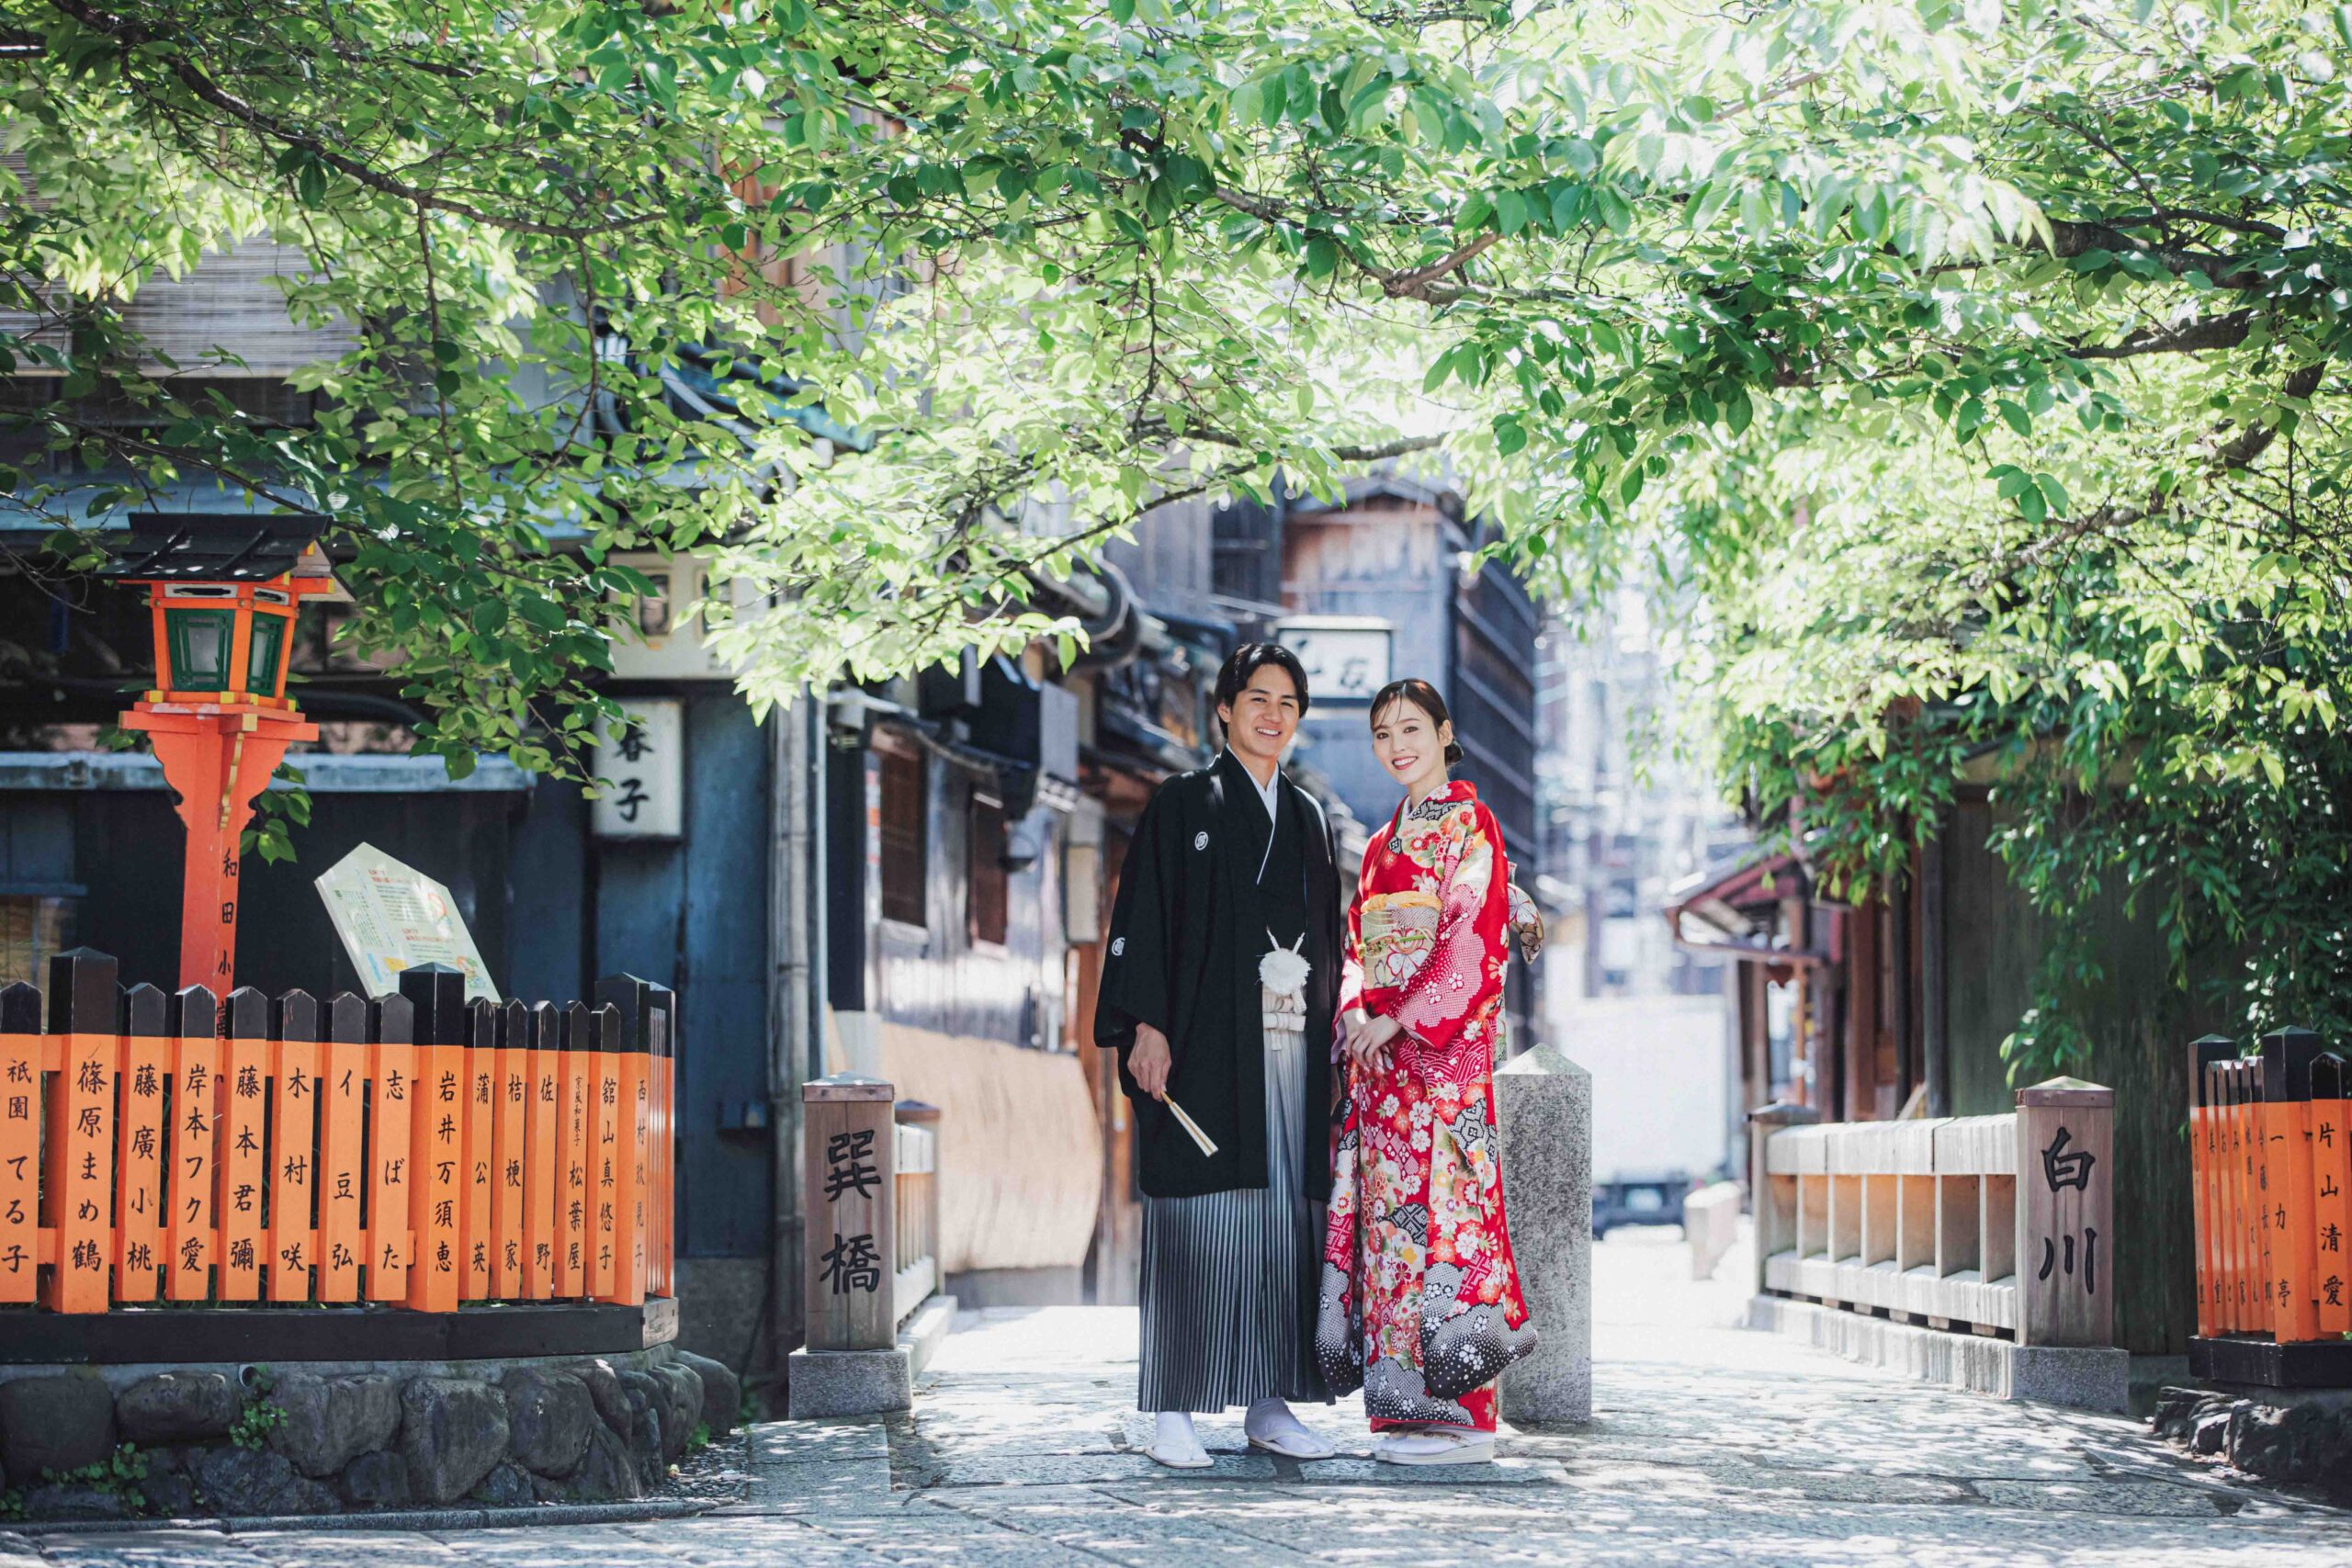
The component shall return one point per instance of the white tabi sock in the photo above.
(1172, 1437)
(1272, 1422)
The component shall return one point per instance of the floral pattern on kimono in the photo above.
(1421, 1303)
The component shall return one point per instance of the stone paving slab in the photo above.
(1709, 1447)
(806, 1442)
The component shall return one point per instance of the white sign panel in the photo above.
(393, 917)
(642, 761)
(667, 642)
(1346, 660)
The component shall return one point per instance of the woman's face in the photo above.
(1411, 746)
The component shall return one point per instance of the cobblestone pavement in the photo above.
(1710, 1445)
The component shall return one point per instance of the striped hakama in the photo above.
(1224, 1275)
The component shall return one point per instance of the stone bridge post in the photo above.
(1544, 1104)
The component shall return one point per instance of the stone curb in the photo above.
(390, 1518)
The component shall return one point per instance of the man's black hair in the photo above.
(1253, 657)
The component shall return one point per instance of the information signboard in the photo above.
(392, 916)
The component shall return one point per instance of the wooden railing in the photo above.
(413, 1150)
(1996, 1225)
(2270, 1158)
(915, 1198)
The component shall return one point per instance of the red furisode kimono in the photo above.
(1421, 1303)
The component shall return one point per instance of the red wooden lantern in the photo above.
(224, 592)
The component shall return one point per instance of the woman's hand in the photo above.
(1149, 1061)
(1368, 1039)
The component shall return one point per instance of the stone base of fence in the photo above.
(2087, 1379)
(185, 1437)
(133, 1335)
(825, 1385)
(2265, 1363)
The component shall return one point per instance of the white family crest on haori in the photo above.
(1200, 841)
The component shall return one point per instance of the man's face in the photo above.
(1263, 715)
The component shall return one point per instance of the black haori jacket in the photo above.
(1183, 957)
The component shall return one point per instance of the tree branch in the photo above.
(2069, 239)
(135, 36)
(2189, 337)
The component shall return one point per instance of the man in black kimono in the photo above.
(1228, 865)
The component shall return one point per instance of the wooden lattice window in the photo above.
(987, 894)
(903, 845)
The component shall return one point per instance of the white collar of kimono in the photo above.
(1266, 795)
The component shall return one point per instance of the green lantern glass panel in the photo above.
(199, 651)
(261, 656)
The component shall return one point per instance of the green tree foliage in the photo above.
(1969, 375)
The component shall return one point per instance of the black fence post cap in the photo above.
(195, 1013)
(145, 1013)
(82, 992)
(2287, 1057)
(2329, 1075)
(19, 1008)
(438, 994)
(638, 1000)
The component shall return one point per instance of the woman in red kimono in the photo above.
(1420, 1303)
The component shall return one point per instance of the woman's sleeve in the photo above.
(1350, 972)
(1450, 992)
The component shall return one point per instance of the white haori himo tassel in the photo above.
(1282, 979)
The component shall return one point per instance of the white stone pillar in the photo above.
(1544, 1104)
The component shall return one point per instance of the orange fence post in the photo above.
(392, 1092)
(141, 1147)
(20, 1120)
(2287, 1136)
(514, 1094)
(2332, 1190)
(644, 1014)
(437, 1135)
(2204, 1164)
(193, 1020)
(79, 1182)
(2236, 1163)
(665, 1148)
(2261, 1167)
(481, 1151)
(245, 1131)
(343, 1153)
(605, 1163)
(571, 1201)
(542, 1151)
(293, 1144)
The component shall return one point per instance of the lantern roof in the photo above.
(197, 547)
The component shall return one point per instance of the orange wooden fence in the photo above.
(2270, 1165)
(416, 1150)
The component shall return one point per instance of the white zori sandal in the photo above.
(1274, 1427)
(1436, 1447)
(1175, 1444)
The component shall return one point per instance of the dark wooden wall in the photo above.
(126, 847)
(2140, 1025)
(694, 915)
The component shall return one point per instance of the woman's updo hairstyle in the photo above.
(1422, 696)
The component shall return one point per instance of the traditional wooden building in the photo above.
(1900, 1006)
